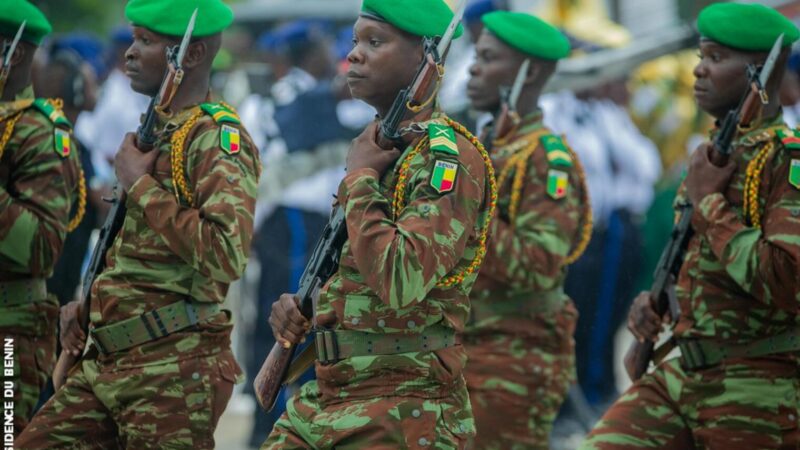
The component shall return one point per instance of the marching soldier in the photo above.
(159, 370)
(417, 218)
(41, 185)
(735, 384)
(521, 354)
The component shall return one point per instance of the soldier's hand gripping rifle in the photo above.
(145, 139)
(279, 369)
(507, 115)
(8, 53)
(639, 355)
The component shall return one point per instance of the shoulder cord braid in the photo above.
(398, 200)
(588, 219)
(519, 162)
(752, 183)
(177, 158)
(9, 131)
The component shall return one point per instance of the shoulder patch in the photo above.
(789, 138)
(794, 173)
(442, 139)
(443, 177)
(220, 113)
(62, 142)
(557, 183)
(229, 139)
(557, 153)
(55, 115)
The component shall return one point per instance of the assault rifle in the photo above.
(507, 116)
(279, 369)
(639, 355)
(8, 53)
(145, 139)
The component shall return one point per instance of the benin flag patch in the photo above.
(63, 145)
(794, 173)
(444, 174)
(229, 139)
(557, 183)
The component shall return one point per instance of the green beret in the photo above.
(14, 12)
(171, 17)
(750, 27)
(418, 17)
(528, 34)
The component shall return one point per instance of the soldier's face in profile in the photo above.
(146, 60)
(382, 62)
(720, 77)
(496, 64)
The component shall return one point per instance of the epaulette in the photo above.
(62, 143)
(220, 113)
(557, 153)
(442, 139)
(789, 138)
(229, 137)
(54, 114)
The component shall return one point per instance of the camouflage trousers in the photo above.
(516, 386)
(377, 423)
(29, 333)
(743, 404)
(171, 405)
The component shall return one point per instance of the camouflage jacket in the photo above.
(387, 278)
(169, 249)
(38, 187)
(525, 260)
(739, 282)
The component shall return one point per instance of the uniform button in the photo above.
(381, 323)
(462, 428)
(416, 413)
(195, 376)
(411, 324)
(422, 441)
(791, 417)
(355, 321)
(230, 178)
(795, 212)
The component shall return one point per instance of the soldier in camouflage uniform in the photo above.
(519, 339)
(736, 384)
(417, 217)
(40, 201)
(159, 370)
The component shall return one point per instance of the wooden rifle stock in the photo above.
(270, 378)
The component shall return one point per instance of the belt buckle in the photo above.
(327, 350)
(97, 342)
(692, 355)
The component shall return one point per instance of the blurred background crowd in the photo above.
(623, 100)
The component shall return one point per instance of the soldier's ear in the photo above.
(19, 54)
(196, 53)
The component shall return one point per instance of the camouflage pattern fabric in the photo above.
(169, 405)
(38, 189)
(738, 283)
(386, 284)
(166, 251)
(522, 362)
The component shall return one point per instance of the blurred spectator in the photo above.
(621, 167)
